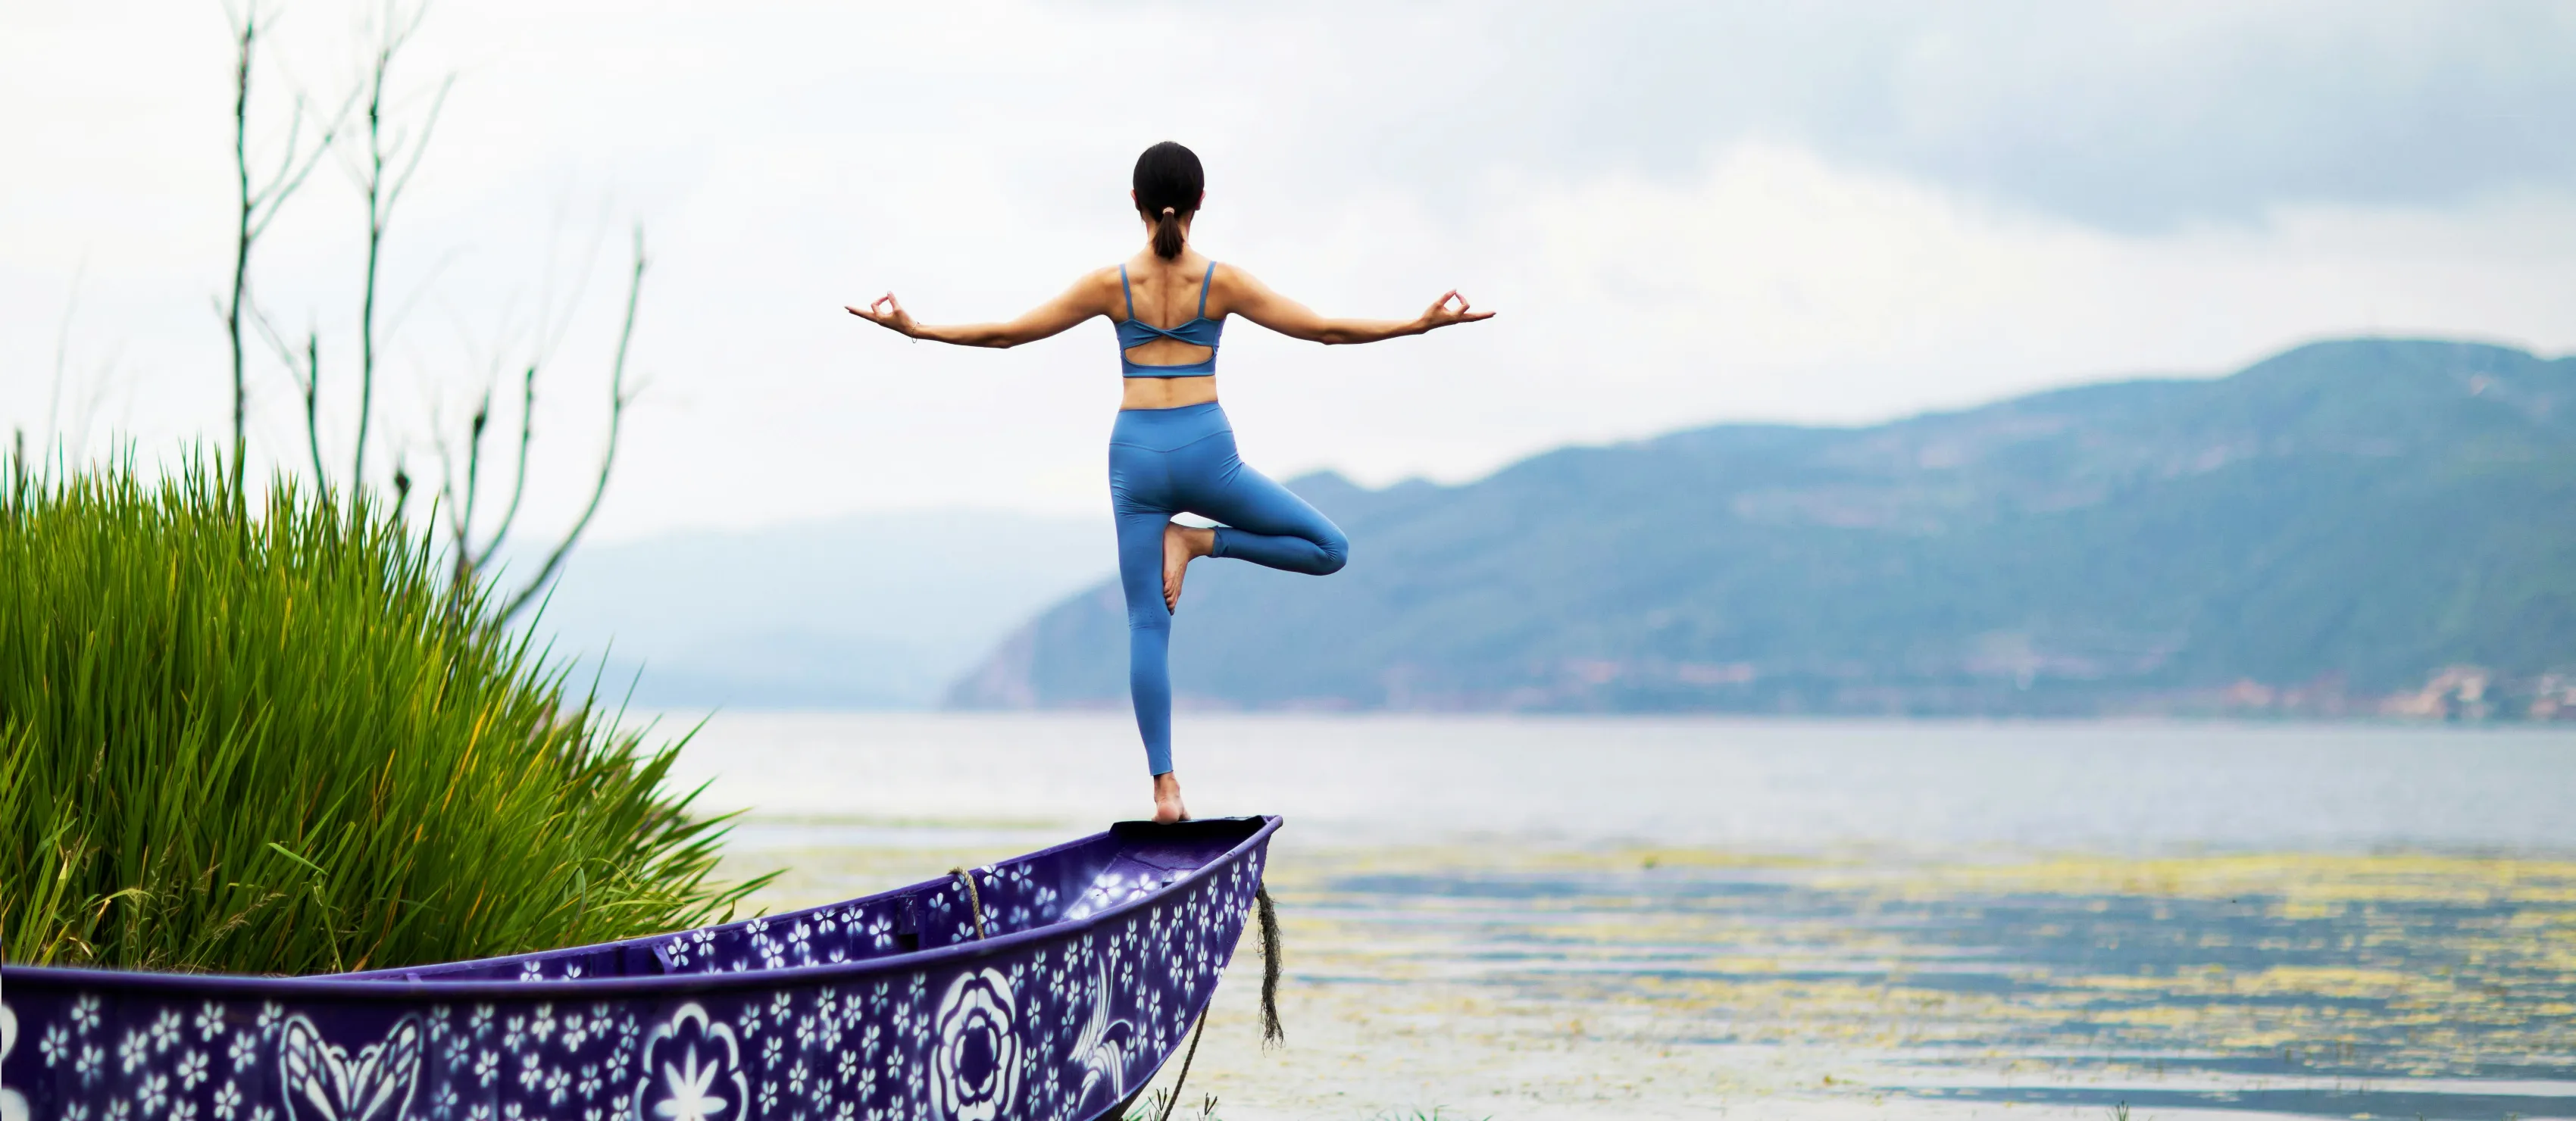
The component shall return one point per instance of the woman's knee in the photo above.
(1337, 550)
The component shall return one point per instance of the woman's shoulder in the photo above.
(1100, 286)
(1228, 277)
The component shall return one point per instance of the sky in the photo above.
(1683, 214)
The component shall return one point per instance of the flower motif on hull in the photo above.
(692, 1071)
(13, 1106)
(975, 1061)
(322, 1082)
(1104, 1044)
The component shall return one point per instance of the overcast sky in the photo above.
(1684, 213)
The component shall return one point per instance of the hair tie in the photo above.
(1167, 212)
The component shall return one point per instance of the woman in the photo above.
(1171, 450)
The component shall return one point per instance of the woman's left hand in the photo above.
(887, 312)
(1442, 315)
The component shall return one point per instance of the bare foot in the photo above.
(1181, 545)
(1167, 799)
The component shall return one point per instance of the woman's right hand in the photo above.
(887, 312)
(1442, 315)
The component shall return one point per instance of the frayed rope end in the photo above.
(1271, 1033)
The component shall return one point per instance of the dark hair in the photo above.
(1168, 185)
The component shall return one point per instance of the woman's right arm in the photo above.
(1054, 317)
(1253, 300)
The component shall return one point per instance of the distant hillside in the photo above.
(871, 611)
(2339, 521)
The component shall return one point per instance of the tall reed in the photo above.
(282, 741)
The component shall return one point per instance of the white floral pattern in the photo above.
(1052, 1029)
(323, 1083)
(692, 1071)
(975, 1053)
(13, 1105)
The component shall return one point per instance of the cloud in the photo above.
(1686, 213)
(1775, 284)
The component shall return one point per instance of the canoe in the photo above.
(1093, 960)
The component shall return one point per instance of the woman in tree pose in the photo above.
(1172, 450)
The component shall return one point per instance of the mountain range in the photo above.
(879, 610)
(2337, 523)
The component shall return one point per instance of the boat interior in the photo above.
(1064, 884)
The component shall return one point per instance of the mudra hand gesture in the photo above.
(892, 318)
(1441, 315)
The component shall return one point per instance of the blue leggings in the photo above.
(1168, 461)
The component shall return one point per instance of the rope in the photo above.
(1271, 1033)
(1175, 1097)
(974, 902)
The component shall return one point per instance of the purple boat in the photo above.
(1050, 986)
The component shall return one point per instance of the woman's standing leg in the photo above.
(1139, 494)
(1149, 629)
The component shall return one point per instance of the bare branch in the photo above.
(419, 147)
(258, 205)
(519, 475)
(306, 369)
(271, 199)
(395, 39)
(312, 405)
(276, 341)
(447, 499)
(382, 193)
(618, 399)
(285, 155)
(246, 34)
(464, 518)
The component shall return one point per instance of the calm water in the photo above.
(1765, 785)
(1589, 918)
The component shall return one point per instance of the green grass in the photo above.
(283, 742)
(1153, 1107)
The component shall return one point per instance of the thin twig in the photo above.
(259, 205)
(313, 406)
(618, 398)
(464, 515)
(271, 199)
(246, 33)
(381, 197)
(519, 475)
(419, 147)
(307, 371)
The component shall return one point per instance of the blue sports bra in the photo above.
(1201, 331)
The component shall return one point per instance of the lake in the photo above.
(1585, 917)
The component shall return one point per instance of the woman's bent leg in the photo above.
(1267, 524)
(1149, 629)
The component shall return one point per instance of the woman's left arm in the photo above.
(1054, 317)
(1253, 300)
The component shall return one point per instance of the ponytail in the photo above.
(1168, 184)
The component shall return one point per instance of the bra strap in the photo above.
(1130, 293)
(1204, 281)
